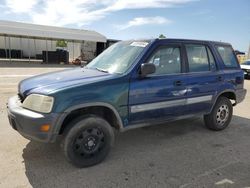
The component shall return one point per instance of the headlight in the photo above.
(39, 103)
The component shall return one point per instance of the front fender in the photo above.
(85, 105)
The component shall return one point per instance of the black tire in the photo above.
(88, 141)
(221, 115)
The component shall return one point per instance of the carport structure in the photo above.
(30, 42)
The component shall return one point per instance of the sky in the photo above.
(220, 20)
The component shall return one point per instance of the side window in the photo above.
(227, 55)
(167, 60)
(211, 60)
(197, 58)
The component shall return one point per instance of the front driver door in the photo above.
(161, 95)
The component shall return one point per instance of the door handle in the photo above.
(178, 83)
(219, 78)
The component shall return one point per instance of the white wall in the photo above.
(28, 46)
(74, 50)
(32, 47)
(88, 50)
(2, 43)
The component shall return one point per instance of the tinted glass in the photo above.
(167, 60)
(118, 57)
(227, 55)
(197, 58)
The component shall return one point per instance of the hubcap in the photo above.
(222, 114)
(89, 142)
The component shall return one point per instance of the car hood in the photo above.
(52, 82)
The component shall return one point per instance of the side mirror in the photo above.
(147, 68)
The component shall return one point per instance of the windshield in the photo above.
(118, 58)
(246, 63)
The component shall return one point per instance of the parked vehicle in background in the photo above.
(245, 66)
(131, 84)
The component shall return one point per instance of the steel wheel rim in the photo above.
(89, 142)
(222, 114)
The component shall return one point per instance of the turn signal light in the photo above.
(45, 128)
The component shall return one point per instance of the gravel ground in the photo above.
(178, 154)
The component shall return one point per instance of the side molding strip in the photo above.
(156, 105)
(167, 104)
(199, 99)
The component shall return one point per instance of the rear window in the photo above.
(228, 56)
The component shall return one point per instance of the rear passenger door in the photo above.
(203, 78)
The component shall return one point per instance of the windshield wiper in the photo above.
(102, 70)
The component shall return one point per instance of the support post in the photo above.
(35, 46)
(21, 47)
(47, 58)
(5, 46)
(73, 50)
(29, 48)
(9, 49)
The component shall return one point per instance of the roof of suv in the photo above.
(182, 40)
(193, 40)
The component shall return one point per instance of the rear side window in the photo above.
(227, 55)
(197, 58)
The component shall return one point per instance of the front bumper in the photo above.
(240, 95)
(28, 123)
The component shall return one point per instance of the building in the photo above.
(38, 43)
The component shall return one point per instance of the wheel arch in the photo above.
(230, 94)
(97, 108)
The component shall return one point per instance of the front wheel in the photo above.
(88, 141)
(221, 115)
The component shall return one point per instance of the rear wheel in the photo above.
(88, 142)
(220, 116)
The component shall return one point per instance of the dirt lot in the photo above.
(179, 154)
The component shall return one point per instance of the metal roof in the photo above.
(48, 32)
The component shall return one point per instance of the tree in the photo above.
(161, 36)
(61, 43)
